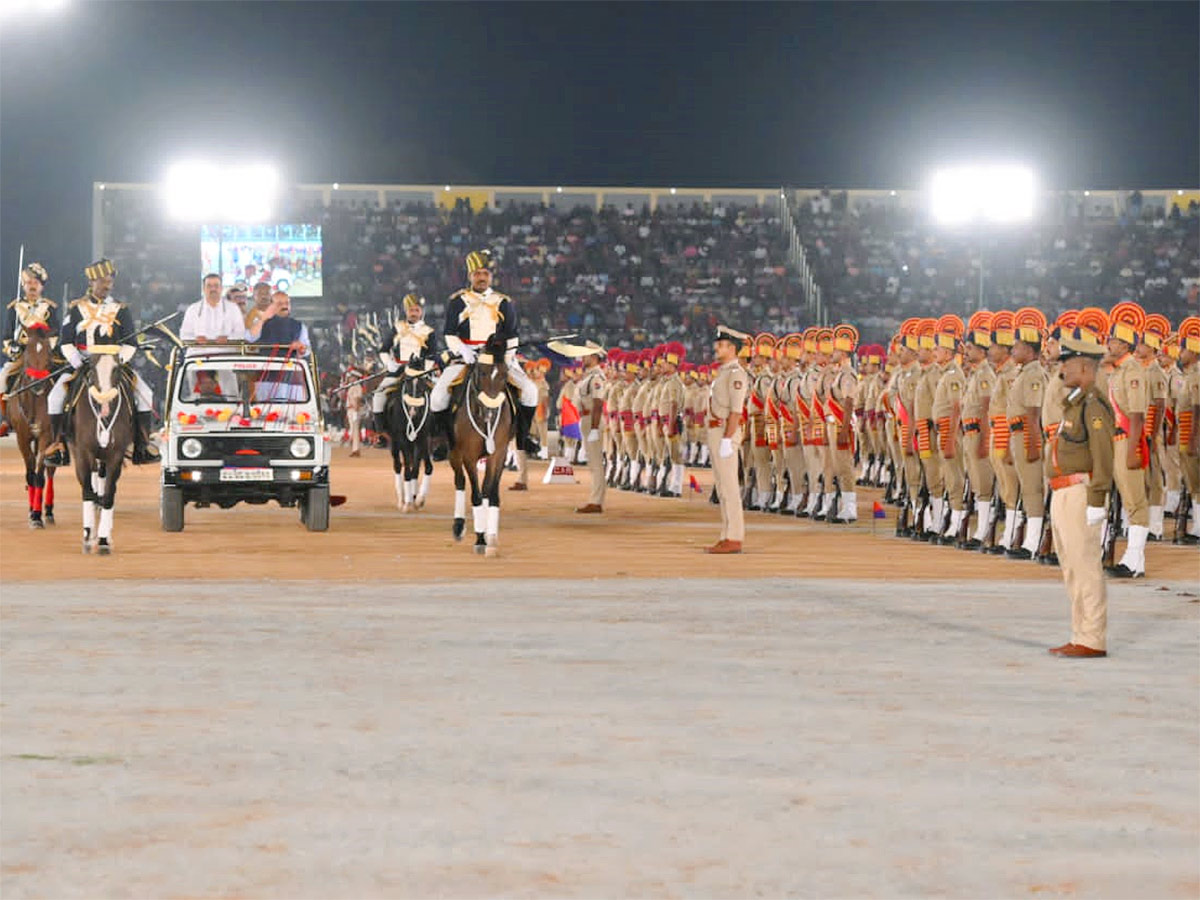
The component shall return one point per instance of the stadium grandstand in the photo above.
(637, 266)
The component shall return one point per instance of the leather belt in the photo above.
(1058, 482)
(970, 426)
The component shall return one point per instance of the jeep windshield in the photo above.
(243, 381)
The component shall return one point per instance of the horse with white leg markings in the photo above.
(28, 410)
(410, 430)
(483, 425)
(103, 430)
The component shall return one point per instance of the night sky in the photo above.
(847, 94)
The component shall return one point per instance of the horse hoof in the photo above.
(420, 504)
(49, 518)
(491, 551)
(406, 508)
(480, 549)
(35, 524)
(460, 525)
(87, 547)
(103, 549)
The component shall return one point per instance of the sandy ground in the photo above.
(248, 709)
(594, 739)
(540, 537)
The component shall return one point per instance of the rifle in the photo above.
(1183, 513)
(903, 525)
(996, 513)
(1017, 538)
(946, 515)
(1046, 540)
(964, 529)
(919, 529)
(1112, 527)
(889, 489)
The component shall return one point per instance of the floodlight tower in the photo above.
(981, 196)
(206, 193)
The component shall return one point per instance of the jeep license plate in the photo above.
(246, 474)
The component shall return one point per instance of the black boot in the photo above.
(525, 439)
(144, 449)
(444, 423)
(56, 454)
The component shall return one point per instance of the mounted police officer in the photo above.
(473, 315)
(97, 319)
(410, 338)
(30, 311)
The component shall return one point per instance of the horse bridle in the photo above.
(493, 408)
(413, 428)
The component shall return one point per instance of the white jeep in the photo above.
(243, 425)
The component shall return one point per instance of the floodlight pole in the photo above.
(980, 304)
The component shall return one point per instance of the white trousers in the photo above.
(142, 397)
(440, 398)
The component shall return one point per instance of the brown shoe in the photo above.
(1057, 650)
(1078, 651)
(590, 508)
(725, 547)
(519, 486)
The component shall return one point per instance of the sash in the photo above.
(1124, 425)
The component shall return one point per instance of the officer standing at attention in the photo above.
(726, 402)
(1079, 466)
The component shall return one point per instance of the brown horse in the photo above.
(30, 417)
(483, 425)
(102, 430)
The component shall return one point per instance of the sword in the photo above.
(61, 369)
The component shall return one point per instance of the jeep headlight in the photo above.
(300, 447)
(191, 448)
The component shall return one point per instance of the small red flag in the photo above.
(695, 485)
(877, 511)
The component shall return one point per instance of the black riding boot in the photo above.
(525, 440)
(57, 454)
(379, 422)
(144, 449)
(444, 421)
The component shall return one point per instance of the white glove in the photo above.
(125, 354)
(593, 436)
(467, 354)
(74, 357)
(1095, 515)
(389, 361)
(726, 449)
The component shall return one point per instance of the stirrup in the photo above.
(57, 455)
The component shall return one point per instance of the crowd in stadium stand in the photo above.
(626, 275)
(880, 264)
(617, 274)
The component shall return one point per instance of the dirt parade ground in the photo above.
(249, 709)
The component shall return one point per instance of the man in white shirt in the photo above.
(211, 319)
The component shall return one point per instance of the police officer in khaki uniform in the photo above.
(726, 402)
(841, 399)
(1146, 353)
(1079, 466)
(1025, 397)
(1188, 414)
(590, 390)
(904, 397)
(999, 355)
(1128, 398)
(976, 424)
(947, 414)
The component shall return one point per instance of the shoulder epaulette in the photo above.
(13, 303)
(458, 294)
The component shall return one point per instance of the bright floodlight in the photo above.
(204, 192)
(14, 10)
(982, 193)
